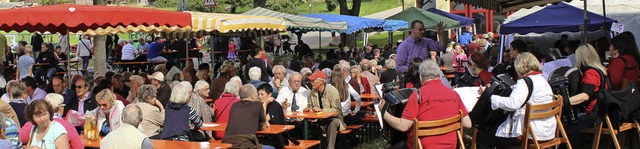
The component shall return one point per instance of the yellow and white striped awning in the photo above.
(137, 29)
(209, 23)
(229, 23)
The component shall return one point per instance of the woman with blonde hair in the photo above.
(510, 131)
(588, 61)
(25, 63)
(108, 113)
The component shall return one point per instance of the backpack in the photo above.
(626, 82)
(565, 81)
(483, 116)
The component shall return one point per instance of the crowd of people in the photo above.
(39, 109)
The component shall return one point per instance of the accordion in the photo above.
(483, 116)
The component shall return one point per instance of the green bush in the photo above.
(285, 6)
(52, 2)
(331, 4)
(167, 3)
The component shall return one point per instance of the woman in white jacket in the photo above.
(509, 133)
(108, 113)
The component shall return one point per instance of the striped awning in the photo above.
(135, 29)
(230, 23)
(296, 22)
(504, 6)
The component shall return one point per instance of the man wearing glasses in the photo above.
(81, 102)
(416, 46)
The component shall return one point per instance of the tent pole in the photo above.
(501, 49)
(584, 27)
(604, 17)
(320, 40)
(68, 56)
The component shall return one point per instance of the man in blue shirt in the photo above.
(465, 37)
(155, 51)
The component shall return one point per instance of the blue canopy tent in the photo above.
(557, 18)
(464, 21)
(354, 24)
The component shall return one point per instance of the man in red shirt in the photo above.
(437, 102)
(473, 47)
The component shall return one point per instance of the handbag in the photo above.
(620, 106)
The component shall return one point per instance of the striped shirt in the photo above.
(129, 52)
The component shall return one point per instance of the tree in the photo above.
(196, 5)
(100, 54)
(52, 2)
(354, 11)
(231, 5)
(261, 3)
(285, 6)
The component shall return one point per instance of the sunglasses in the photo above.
(79, 86)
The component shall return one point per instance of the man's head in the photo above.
(81, 87)
(517, 47)
(117, 81)
(132, 115)
(156, 79)
(122, 42)
(572, 46)
(295, 81)
(22, 45)
(249, 92)
(57, 84)
(30, 83)
(474, 38)
(259, 53)
(417, 28)
(365, 65)
(318, 79)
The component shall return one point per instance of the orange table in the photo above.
(363, 104)
(163, 144)
(271, 130)
(369, 96)
(72, 61)
(170, 144)
(307, 116)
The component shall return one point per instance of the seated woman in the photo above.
(46, 133)
(152, 111)
(345, 91)
(510, 131)
(108, 113)
(624, 65)
(223, 104)
(478, 66)
(55, 100)
(589, 62)
(274, 115)
(179, 115)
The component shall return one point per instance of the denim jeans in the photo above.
(267, 147)
(85, 62)
(159, 58)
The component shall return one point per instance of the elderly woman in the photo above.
(56, 102)
(280, 78)
(108, 113)
(46, 133)
(6, 97)
(181, 114)
(4, 140)
(200, 92)
(223, 104)
(152, 111)
(136, 82)
(509, 132)
(359, 82)
(19, 102)
(390, 74)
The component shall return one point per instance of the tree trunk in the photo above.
(232, 10)
(99, 44)
(349, 40)
(259, 3)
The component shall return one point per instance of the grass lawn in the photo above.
(368, 7)
(382, 39)
(53, 38)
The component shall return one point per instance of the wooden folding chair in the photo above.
(437, 127)
(533, 112)
(599, 130)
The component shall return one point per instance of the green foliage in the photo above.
(229, 5)
(167, 3)
(52, 2)
(197, 5)
(285, 6)
(331, 4)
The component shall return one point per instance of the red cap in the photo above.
(317, 74)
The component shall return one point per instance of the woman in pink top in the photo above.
(459, 59)
(55, 100)
(231, 54)
(224, 103)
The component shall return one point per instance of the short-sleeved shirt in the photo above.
(458, 62)
(591, 77)
(129, 52)
(245, 118)
(155, 49)
(12, 132)
(25, 63)
(437, 102)
(50, 138)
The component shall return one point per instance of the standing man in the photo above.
(36, 42)
(325, 98)
(416, 46)
(465, 37)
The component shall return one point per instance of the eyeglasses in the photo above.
(79, 86)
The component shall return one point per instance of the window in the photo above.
(481, 22)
